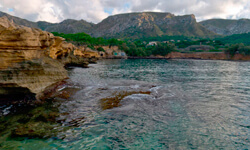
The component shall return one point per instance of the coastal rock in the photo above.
(32, 76)
(111, 52)
(32, 61)
(19, 43)
(70, 55)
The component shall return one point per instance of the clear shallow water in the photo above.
(194, 104)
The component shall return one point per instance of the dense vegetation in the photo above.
(85, 39)
(167, 38)
(165, 44)
(132, 48)
(216, 43)
(236, 38)
(139, 48)
(238, 48)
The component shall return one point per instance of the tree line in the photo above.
(141, 48)
(131, 48)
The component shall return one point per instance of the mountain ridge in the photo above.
(141, 24)
(146, 24)
(227, 26)
(67, 26)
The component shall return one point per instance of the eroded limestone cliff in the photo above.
(32, 61)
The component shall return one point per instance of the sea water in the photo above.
(194, 104)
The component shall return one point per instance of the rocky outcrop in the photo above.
(29, 79)
(32, 61)
(111, 52)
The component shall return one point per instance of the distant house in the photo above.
(122, 54)
(153, 43)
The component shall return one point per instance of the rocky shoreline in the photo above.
(34, 80)
(198, 55)
(33, 62)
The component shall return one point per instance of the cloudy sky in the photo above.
(96, 10)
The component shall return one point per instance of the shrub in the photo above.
(238, 48)
(100, 49)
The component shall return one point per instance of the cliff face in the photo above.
(148, 24)
(227, 27)
(19, 43)
(32, 61)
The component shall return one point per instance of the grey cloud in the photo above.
(201, 8)
(94, 10)
(113, 3)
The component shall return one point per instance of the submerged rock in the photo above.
(114, 101)
(32, 71)
(34, 130)
(38, 121)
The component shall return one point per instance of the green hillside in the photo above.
(236, 38)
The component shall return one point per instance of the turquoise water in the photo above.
(194, 104)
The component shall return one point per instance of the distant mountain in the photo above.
(148, 24)
(227, 27)
(145, 24)
(66, 26)
(19, 21)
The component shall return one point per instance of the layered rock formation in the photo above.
(32, 61)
